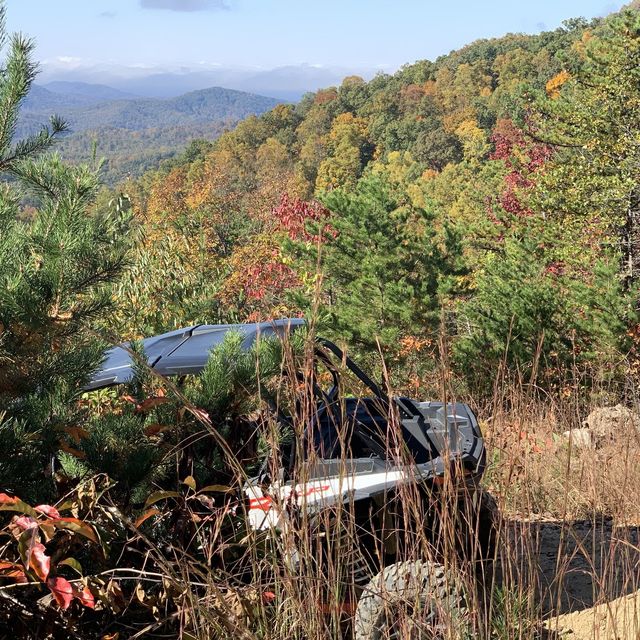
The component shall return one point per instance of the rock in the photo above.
(580, 438)
(610, 423)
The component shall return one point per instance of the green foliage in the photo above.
(230, 382)
(504, 172)
(135, 135)
(386, 269)
(536, 320)
(512, 615)
(232, 391)
(592, 113)
(55, 269)
(117, 445)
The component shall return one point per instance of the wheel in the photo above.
(488, 519)
(417, 600)
(475, 525)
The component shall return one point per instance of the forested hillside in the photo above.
(468, 228)
(133, 134)
(486, 195)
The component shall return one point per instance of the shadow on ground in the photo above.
(570, 566)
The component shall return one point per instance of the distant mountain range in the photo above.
(131, 132)
(87, 106)
(287, 83)
(97, 92)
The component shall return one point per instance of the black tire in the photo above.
(417, 600)
(487, 526)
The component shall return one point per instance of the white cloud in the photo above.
(184, 5)
(68, 61)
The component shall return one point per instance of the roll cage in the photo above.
(351, 427)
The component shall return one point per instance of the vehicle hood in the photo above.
(183, 351)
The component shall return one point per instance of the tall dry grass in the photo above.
(567, 535)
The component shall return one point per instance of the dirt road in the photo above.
(584, 577)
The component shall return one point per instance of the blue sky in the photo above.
(270, 33)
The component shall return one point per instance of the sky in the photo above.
(264, 34)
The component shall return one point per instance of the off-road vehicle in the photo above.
(368, 456)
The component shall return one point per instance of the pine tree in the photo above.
(56, 264)
(386, 268)
(539, 321)
(591, 114)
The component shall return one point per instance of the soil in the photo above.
(584, 577)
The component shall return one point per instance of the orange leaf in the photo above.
(74, 452)
(5, 499)
(86, 597)
(40, 562)
(150, 403)
(18, 575)
(155, 429)
(62, 591)
(146, 516)
(76, 433)
(75, 525)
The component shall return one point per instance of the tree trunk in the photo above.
(631, 241)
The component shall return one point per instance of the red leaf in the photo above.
(48, 510)
(40, 562)
(62, 591)
(86, 597)
(5, 499)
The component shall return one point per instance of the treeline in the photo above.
(134, 134)
(127, 154)
(487, 197)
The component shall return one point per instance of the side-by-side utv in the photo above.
(369, 455)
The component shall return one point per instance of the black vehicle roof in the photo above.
(183, 351)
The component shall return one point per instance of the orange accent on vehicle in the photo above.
(320, 489)
(263, 504)
(347, 608)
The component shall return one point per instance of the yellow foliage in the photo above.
(353, 81)
(474, 140)
(554, 85)
(430, 88)
(346, 125)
